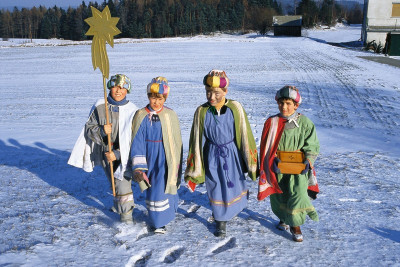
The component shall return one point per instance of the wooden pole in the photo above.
(109, 136)
(103, 28)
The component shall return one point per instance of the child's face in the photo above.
(118, 93)
(156, 103)
(215, 95)
(287, 107)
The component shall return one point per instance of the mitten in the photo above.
(307, 167)
(275, 168)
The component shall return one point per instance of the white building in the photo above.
(380, 18)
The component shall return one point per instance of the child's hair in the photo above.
(286, 98)
(156, 95)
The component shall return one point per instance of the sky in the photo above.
(46, 3)
(62, 3)
(54, 214)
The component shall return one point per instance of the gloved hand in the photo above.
(307, 167)
(275, 168)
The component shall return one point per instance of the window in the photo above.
(396, 10)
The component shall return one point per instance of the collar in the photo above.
(292, 118)
(152, 112)
(116, 103)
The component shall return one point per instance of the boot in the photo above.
(160, 230)
(127, 217)
(296, 233)
(221, 229)
(282, 226)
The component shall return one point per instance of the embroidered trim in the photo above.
(157, 205)
(124, 198)
(226, 204)
(296, 211)
(139, 160)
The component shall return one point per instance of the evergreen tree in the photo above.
(309, 11)
(355, 15)
(327, 12)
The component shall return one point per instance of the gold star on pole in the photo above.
(103, 28)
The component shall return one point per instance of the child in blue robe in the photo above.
(229, 151)
(156, 153)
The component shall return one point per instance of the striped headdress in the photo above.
(158, 85)
(216, 79)
(289, 91)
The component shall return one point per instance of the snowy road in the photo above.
(55, 215)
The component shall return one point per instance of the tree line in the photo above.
(328, 12)
(159, 18)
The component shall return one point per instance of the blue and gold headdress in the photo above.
(158, 85)
(119, 80)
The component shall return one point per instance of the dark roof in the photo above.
(287, 21)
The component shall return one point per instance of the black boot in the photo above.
(221, 229)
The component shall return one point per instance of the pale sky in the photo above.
(46, 3)
(73, 3)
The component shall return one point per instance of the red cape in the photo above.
(271, 135)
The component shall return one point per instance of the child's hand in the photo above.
(110, 156)
(275, 168)
(107, 128)
(307, 167)
(139, 176)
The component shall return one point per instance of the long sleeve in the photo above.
(311, 143)
(93, 130)
(138, 150)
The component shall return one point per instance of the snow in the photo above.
(57, 215)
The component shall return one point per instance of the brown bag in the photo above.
(291, 162)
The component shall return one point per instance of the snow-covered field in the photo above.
(56, 215)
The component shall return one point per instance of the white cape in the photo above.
(86, 154)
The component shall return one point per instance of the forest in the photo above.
(166, 18)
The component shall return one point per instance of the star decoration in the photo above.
(103, 25)
(103, 28)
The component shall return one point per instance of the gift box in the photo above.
(291, 162)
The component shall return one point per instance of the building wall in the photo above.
(380, 13)
(287, 31)
(379, 21)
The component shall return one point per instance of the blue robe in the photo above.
(225, 180)
(148, 148)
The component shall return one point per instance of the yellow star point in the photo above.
(102, 25)
(103, 28)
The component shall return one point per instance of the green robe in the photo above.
(294, 204)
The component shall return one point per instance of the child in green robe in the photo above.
(290, 192)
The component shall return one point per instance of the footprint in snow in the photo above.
(224, 245)
(140, 260)
(144, 232)
(172, 254)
